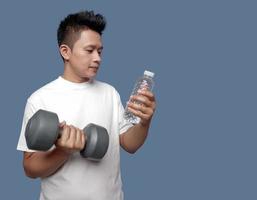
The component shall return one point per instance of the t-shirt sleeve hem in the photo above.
(22, 148)
(125, 127)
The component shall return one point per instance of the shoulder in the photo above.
(108, 90)
(42, 91)
(105, 86)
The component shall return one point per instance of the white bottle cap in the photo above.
(148, 73)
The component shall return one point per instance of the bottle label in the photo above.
(144, 85)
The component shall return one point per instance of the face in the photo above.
(83, 60)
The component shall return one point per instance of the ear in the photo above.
(65, 51)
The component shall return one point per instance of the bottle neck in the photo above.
(149, 77)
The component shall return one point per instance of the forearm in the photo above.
(43, 164)
(134, 137)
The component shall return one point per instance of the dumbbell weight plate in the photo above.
(42, 130)
(97, 142)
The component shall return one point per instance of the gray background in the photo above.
(202, 142)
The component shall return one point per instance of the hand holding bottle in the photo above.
(141, 104)
(145, 109)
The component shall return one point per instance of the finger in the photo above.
(73, 136)
(141, 115)
(148, 94)
(65, 133)
(61, 125)
(141, 100)
(144, 102)
(79, 136)
(141, 108)
(83, 140)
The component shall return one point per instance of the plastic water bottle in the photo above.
(143, 83)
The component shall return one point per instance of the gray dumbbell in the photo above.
(42, 131)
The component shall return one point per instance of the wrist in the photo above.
(63, 152)
(144, 124)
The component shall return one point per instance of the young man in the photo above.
(79, 99)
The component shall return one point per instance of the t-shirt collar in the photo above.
(73, 85)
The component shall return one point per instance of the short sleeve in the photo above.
(124, 125)
(28, 112)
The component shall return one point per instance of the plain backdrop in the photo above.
(202, 141)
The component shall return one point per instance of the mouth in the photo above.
(93, 67)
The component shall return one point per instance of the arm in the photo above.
(135, 137)
(43, 164)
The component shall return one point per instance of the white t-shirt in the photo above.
(80, 104)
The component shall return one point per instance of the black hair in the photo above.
(70, 28)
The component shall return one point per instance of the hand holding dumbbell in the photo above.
(43, 130)
(71, 139)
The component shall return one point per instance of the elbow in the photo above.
(126, 146)
(30, 166)
(30, 173)
(31, 176)
(131, 150)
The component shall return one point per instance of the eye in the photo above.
(100, 51)
(89, 50)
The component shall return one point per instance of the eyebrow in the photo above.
(94, 47)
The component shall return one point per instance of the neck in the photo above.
(71, 76)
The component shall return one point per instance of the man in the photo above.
(79, 99)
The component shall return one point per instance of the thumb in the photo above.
(62, 124)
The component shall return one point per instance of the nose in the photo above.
(97, 57)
